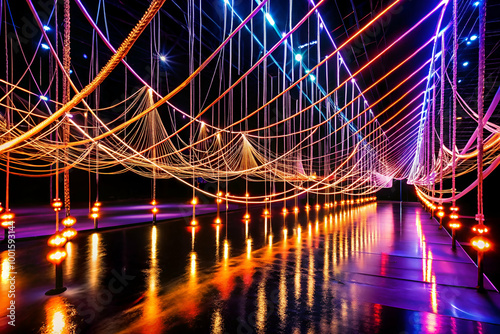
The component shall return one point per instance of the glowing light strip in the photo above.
(424, 108)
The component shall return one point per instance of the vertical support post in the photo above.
(480, 125)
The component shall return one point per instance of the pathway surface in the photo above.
(380, 268)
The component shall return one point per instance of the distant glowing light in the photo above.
(307, 44)
(45, 46)
(312, 77)
(270, 19)
(163, 58)
(226, 2)
(298, 57)
(476, 3)
(70, 71)
(465, 64)
(44, 98)
(46, 28)
(468, 42)
(460, 81)
(85, 56)
(473, 37)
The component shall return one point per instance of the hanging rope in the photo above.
(480, 106)
(65, 99)
(454, 98)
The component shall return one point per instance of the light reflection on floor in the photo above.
(358, 270)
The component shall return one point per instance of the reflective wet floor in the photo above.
(379, 268)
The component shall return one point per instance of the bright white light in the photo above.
(46, 28)
(312, 77)
(44, 98)
(465, 64)
(69, 115)
(473, 37)
(45, 46)
(298, 57)
(269, 19)
(226, 2)
(459, 81)
(353, 80)
(163, 58)
(476, 3)
(468, 42)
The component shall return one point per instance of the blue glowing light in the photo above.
(70, 71)
(270, 19)
(298, 57)
(44, 98)
(476, 3)
(45, 46)
(473, 37)
(163, 58)
(459, 81)
(465, 63)
(312, 77)
(85, 56)
(468, 42)
(226, 2)
(46, 28)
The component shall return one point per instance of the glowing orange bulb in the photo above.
(69, 233)
(480, 229)
(455, 225)
(454, 208)
(95, 209)
(7, 216)
(440, 214)
(6, 223)
(95, 215)
(219, 193)
(57, 204)
(98, 204)
(285, 211)
(194, 201)
(266, 212)
(480, 243)
(308, 207)
(219, 200)
(153, 202)
(57, 256)
(296, 210)
(57, 240)
(218, 220)
(194, 222)
(247, 195)
(69, 221)
(246, 216)
(154, 210)
(453, 216)
(317, 206)
(440, 207)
